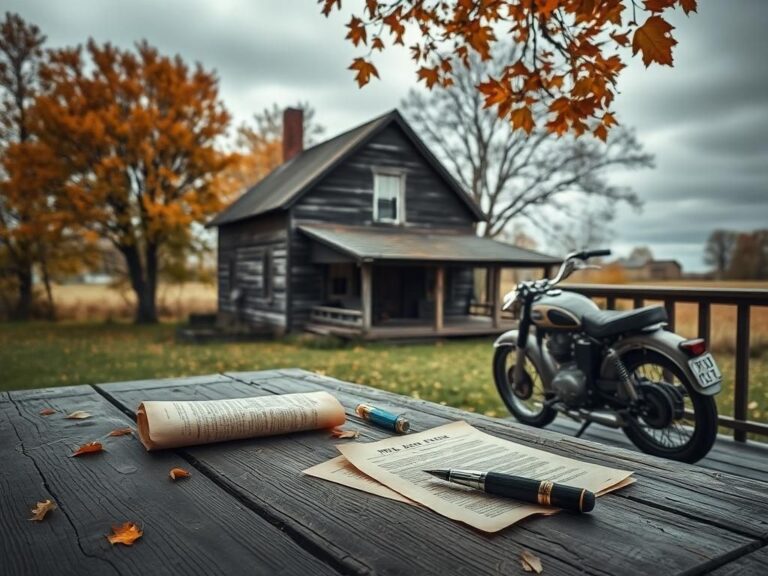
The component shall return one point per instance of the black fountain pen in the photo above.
(541, 492)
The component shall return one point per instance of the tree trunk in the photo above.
(24, 305)
(143, 282)
(48, 290)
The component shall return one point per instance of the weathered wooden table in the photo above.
(248, 509)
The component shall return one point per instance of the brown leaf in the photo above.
(121, 432)
(42, 508)
(653, 39)
(688, 6)
(126, 534)
(177, 473)
(364, 71)
(658, 5)
(47, 411)
(343, 434)
(78, 415)
(530, 562)
(90, 448)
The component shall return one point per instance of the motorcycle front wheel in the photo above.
(690, 434)
(525, 400)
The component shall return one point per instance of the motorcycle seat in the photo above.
(607, 323)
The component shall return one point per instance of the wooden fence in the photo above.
(743, 299)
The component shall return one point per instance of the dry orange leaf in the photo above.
(126, 534)
(530, 562)
(654, 40)
(90, 448)
(47, 411)
(121, 432)
(78, 415)
(42, 508)
(341, 433)
(177, 473)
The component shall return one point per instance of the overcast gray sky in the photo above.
(706, 119)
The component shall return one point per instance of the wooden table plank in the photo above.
(753, 564)
(190, 526)
(735, 503)
(397, 535)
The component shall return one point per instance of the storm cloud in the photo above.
(706, 119)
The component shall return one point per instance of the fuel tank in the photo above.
(560, 310)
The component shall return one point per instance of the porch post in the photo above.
(439, 296)
(366, 293)
(496, 296)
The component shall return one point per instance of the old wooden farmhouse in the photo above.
(364, 235)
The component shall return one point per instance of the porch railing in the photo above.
(337, 316)
(744, 300)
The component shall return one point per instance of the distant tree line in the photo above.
(738, 255)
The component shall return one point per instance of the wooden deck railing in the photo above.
(743, 300)
(339, 316)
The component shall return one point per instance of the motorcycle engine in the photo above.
(569, 383)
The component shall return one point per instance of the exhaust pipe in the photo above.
(608, 418)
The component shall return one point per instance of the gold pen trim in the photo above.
(545, 492)
(581, 500)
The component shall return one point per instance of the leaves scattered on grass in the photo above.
(89, 448)
(125, 534)
(42, 508)
(177, 473)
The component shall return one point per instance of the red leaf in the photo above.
(177, 473)
(47, 411)
(688, 6)
(90, 448)
(126, 534)
(653, 39)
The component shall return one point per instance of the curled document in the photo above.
(171, 424)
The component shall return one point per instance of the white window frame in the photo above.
(400, 219)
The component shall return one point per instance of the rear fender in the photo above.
(663, 342)
(540, 357)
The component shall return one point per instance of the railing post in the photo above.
(741, 379)
(669, 304)
(638, 302)
(610, 303)
(704, 321)
(439, 297)
(366, 290)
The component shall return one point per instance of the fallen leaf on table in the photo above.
(530, 562)
(340, 433)
(47, 411)
(90, 448)
(126, 534)
(78, 415)
(179, 473)
(121, 432)
(42, 508)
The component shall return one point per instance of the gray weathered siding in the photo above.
(345, 196)
(246, 242)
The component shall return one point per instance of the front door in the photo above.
(399, 292)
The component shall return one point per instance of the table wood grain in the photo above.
(248, 509)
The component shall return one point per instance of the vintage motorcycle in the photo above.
(617, 368)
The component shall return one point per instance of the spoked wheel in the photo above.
(673, 421)
(524, 399)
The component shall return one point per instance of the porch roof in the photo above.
(368, 244)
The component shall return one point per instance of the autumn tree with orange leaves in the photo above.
(136, 133)
(569, 56)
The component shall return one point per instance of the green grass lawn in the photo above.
(456, 372)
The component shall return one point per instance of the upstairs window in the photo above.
(389, 197)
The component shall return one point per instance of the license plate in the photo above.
(705, 370)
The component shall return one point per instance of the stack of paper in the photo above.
(394, 468)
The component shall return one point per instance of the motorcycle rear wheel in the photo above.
(687, 439)
(528, 410)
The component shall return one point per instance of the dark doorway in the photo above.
(400, 292)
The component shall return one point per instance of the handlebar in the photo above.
(586, 254)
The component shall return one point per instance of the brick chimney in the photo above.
(293, 133)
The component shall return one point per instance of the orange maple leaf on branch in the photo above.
(564, 60)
